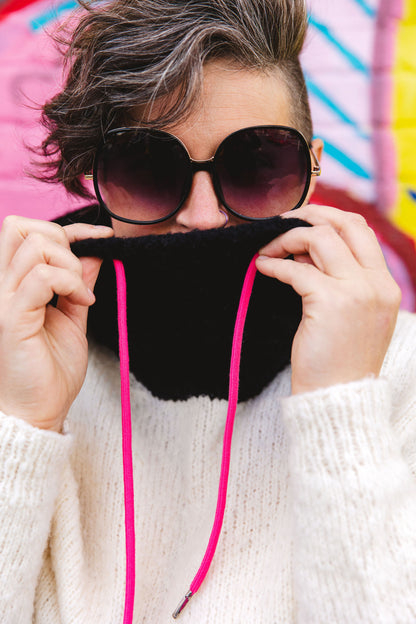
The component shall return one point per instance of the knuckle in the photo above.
(51, 252)
(41, 273)
(58, 233)
(61, 233)
(70, 261)
(384, 293)
(76, 264)
(356, 298)
(362, 294)
(36, 240)
(394, 296)
(358, 219)
(324, 231)
(10, 223)
(373, 235)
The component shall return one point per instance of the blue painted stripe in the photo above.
(347, 162)
(315, 90)
(412, 194)
(52, 14)
(350, 56)
(368, 10)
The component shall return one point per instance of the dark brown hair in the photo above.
(126, 54)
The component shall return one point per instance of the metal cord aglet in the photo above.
(182, 604)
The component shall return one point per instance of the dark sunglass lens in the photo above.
(142, 174)
(263, 172)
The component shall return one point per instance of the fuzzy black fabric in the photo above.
(182, 296)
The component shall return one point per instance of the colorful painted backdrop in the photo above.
(360, 65)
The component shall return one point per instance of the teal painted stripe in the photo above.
(368, 10)
(350, 56)
(52, 14)
(347, 162)
(315, 90)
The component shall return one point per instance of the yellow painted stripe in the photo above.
(404, 120)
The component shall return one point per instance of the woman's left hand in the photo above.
(350, 300)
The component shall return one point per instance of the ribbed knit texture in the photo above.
(320, 518)
(31, 469)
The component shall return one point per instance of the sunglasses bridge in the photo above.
(202, 165)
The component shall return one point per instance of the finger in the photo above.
(90, 265)
(326, 249)
(304, 258)
(353, 229)
(16, 229)
(79, 314)
(44, 281)
(38, 249)
(304, 278)
(81, 231)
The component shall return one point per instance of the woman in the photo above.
(318, 525)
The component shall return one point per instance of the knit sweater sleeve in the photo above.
(31, 465)
(353, 488)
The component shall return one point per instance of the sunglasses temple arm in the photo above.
(316, 167)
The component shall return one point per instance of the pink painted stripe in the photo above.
(382, 93)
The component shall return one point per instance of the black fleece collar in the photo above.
(182, 298)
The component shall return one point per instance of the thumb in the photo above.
(90, 270)
(78, 313)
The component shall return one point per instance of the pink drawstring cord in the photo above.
(127, 450)
(228, 433)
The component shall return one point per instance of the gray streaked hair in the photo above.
(124, 55)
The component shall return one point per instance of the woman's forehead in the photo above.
(231, 98)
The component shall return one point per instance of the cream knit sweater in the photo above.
(320, 525)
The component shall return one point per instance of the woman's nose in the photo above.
(201, 211)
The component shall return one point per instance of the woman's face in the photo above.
(231, 99)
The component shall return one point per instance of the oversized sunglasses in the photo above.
(144, 176)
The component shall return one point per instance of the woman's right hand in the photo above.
(43, 349)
